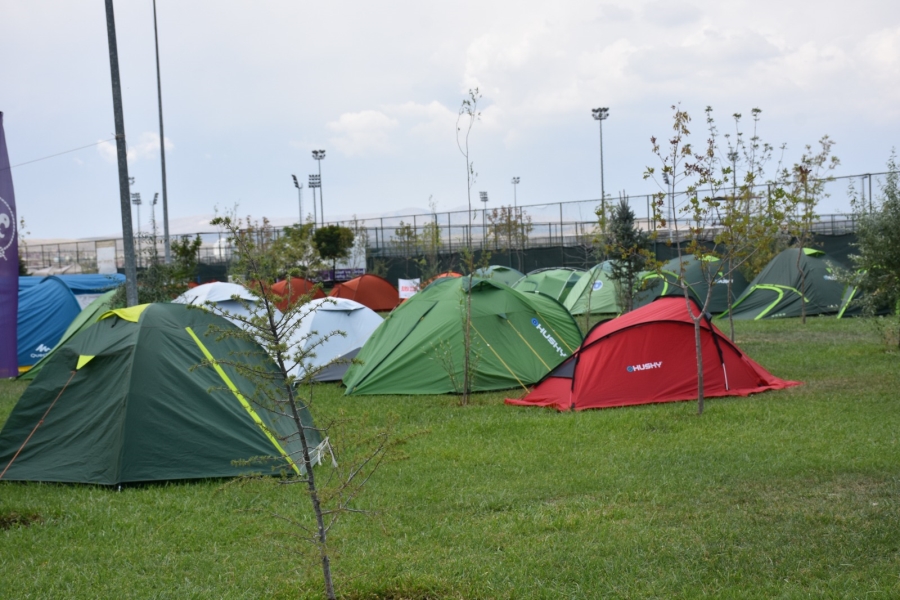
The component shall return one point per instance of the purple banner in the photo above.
(9, 266)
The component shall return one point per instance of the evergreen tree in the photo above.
(628, 249)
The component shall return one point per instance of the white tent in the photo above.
(222, 295)
(330, 352)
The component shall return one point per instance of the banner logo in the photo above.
(644, 367)
(7, 227)
(598, 285)
(550, 339)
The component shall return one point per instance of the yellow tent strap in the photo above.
(132, 313)
(241, 399)
(559, 337)
(527, 344)
(500, 359)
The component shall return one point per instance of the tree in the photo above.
(877, 260)
(465, 120)
(161, 282)
(405, 240)
(279, 392)
(628, 249)
(333, 242)
(509, 227)
(806, 184)
(429, 240)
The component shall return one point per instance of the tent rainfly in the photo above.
(370, 290)
(331, 332)
(776, 291)
(697, 275)
(556, 283)
(292, 289)
(46, 308)
(505, 275)
(595, 292)
(646, 356)
(120, 402)
(516, 339)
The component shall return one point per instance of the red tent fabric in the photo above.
(299, 287)
(648, 355)
(369, 290)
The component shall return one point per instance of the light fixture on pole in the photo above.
(600, 115)
(299, 187)
(318, 155)
(484, 199)
(315, 181)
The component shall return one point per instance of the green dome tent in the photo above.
(516, 339)
(556, 283)
(120, 403)
(775, 292)
(696, 274)
(87, 317)
(505, 275)
(597, 288)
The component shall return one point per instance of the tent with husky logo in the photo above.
(122, 402)
(697, 275)
(515, 338)
(646, 356)
(776, 291)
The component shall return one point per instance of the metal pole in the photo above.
(321, 203)
(300, 203)
(162, 147)
(131, 296)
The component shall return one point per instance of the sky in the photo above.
(251, 88)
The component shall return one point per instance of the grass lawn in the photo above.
(786, 494)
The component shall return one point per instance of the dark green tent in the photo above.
(121, 402)
(87, 317)
(776, 291)
(556, 283)
(516, 339)
(696, 274)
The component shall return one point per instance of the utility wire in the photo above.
(61, 153)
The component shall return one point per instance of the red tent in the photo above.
(648, 355)
(370, 290)
(299, 287)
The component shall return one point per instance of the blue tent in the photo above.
(46, 307)
(86, 287)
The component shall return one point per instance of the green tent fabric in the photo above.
(505, 275)
(597, 288)
(851, 304)
(516, 339)
(696, 274)
(121, 403)
(86, 318)
(775, 292)
(556, 283)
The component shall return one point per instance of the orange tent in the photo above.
(369, 290)
(298, 287)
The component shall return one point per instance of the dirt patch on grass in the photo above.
(11, 519)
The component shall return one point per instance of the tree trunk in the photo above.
(699, 350)
(730, 279)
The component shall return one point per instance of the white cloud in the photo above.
(363, 132)
(147, 147)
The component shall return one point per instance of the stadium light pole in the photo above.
(318, 155)
(162, 149)
(600, 115)
(315, 181)
(299, 187)
(136, 200)
(131, 295)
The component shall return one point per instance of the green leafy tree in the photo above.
(877, 260)
(280, 391)
(628, 249)
(405, 241)
(161, 282)
(508, 228)
(333, 242)
(429, 263)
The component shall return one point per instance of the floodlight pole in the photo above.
(131, 295)
(162, 148)
(299, 187)
(484, 199)
(600, 115)
(318, 155)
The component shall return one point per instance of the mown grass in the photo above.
(785, 494)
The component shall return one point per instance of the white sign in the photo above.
(407, 287)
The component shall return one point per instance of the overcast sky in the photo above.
(250, 88)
